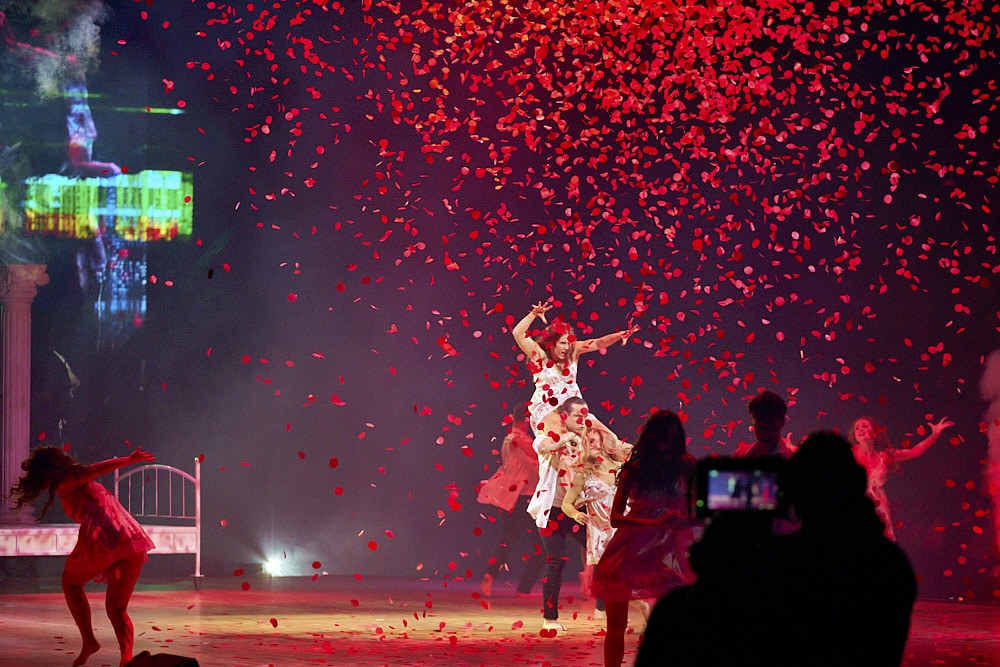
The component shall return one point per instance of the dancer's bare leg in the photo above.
(79, 607)
(645, 607)
(586, 577)
(121, 583)
(614, 638)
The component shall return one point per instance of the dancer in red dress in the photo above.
(111, 545)
(648, 555)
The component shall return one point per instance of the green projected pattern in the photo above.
(148, 206)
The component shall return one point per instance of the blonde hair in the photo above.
(610, 448)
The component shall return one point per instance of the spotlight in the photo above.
(272, 567)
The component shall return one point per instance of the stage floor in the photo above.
(338, 620)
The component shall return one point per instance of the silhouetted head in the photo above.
(825, 484)
(664, 433)
(659, 460)
(768, 413)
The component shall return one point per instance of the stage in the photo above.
(341, 620)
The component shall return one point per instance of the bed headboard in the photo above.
(167, 503)
(157, 491)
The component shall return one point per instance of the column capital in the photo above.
(21, 281)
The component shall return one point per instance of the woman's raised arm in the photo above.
(520, 331)
(925, 444)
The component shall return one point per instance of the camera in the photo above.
(725, 485)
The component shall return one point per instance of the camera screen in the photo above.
(741, 490)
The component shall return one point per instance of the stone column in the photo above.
(18, 286)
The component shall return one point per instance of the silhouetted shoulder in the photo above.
(845, 601)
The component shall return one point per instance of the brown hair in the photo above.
(44, 469)
(767, 406)
(659, 459)
(552, 333)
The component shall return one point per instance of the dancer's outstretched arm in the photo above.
(925, 444)
(95, 470)
(596, 344)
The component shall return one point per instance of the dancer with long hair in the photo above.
(593, 489)
(648, 555)
(873, 451)
(111, 545)
(552, 357)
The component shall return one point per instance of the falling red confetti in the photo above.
(761, 188)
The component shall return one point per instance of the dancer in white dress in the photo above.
(552, 358)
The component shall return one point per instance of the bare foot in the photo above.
(89, 649)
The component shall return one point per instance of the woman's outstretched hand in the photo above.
(138, 454)
(940, 426)
(627, 333)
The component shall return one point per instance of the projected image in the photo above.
(69, 191)
(116, 217)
